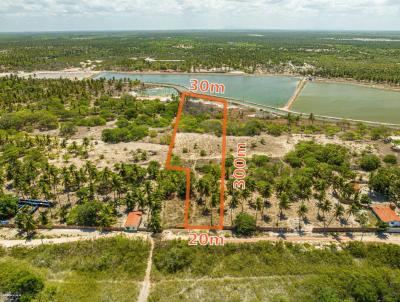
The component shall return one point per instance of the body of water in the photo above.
(266, 90)
(330, 99)
(349, 101)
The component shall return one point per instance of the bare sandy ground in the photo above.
(275, 147)
(72, 74)
(315, 239)
(60, 236)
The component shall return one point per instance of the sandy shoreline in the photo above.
(357, 83)
(72, 74)
(80, 74)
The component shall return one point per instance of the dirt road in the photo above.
(296, 94)
(146, 284)
(64, 238)
(317, 239)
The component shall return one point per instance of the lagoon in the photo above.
(265, 90)
(349, 101)
(340, 100)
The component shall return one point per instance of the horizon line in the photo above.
(196, 29)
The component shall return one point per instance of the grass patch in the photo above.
(107, 269)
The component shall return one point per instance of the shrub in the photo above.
(174, 259)
(275, 130)
(8, 206)
(390, 159)
(387, 182)
(67, 129)
(370, 162)
(19, 120)
(91, 213)
(245, 224)
(92, 121)
(16, 279)
(131, 133)
(260, 160)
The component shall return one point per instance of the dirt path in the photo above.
(295, 95)
(225, 278)
(323, 240)
(318, 239)
(146, 284)
(35, 242)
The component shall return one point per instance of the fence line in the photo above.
(228, 228)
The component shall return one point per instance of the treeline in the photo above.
(84, 195)
(325, 54)
(28, 104)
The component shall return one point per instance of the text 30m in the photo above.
(206, 86)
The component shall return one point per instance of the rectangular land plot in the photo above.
(211, 189)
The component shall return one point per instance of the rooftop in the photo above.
(385, 213)
(133, 219)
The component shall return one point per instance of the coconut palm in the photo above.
(302, 212)
(233, 203)
(284, 203)
(326, 206)
(353, 210)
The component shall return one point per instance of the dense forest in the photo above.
(359, 55)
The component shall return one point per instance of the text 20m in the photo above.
(205, 239)
(206, 86)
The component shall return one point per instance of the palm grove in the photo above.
(88, 195)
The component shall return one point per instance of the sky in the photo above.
(76, 15)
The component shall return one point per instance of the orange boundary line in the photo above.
(168, 165)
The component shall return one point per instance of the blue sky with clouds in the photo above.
(63, 15)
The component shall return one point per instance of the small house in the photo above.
(133, 221)
(386, 214)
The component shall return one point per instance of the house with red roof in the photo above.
(133, 221)
(386, 214)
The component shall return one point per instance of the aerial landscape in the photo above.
(193, 160)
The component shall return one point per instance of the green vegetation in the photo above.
(8, 206)
(327, 54)
(102, 270)
(348, 272)
(370, 162)
(29, 104)
(20, 280)
(245, 224)
(390, 159)
(91, 214)
(387, 182)
(83, 195)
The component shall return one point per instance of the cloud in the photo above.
(203, 13)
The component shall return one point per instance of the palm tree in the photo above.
(244, 195)
(326, 206)
(265, 190)
(284, 203)
(233, 203)
(259, 205)
(214, 201)
(311, 118)
(25, 222)
(353, 210)
(338, 212)
(302, 212)
(363, 221)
